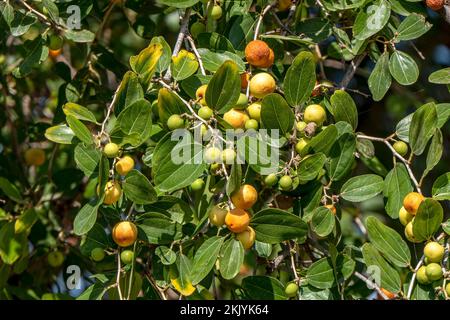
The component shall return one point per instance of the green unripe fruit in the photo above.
(127, 256)
(214, 168)
(197, 185)
(111, 150)
(254, 111)
(203, 129)
(421, 276)
(315, 113)
(175, 122)
(197, 28)
(301, 125)
(212, 154)
(291, 290)
(228, 156)
(97, 254)
(216, 12)
(434, 271)
(301, 144)
(271, 180)
(433, 251)
(401, 148)
(447, 289)
(205, 112)
(55, 42)
(285, 182)
(251, 124)
(242, 101)
(55, 259)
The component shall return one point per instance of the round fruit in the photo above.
(245, 197)
(214, 168)
(247, 237)
(259, 54)
(175, 122)
(197, 185)
(205, 112)
(401, 148)
(285, 182)
(433, 271)
(237, 220)
(315, 113)
(271, 180)
(291, 290)
(301, 125)
(254, 111)
(113, 191)
(55, 42)
(412, 202)
(409, 233)
(212, 155)
(55, 259)
(301, 144)
(435, 5)
(111, 150)
(54, 53)
(404, 216)
(124, 233)
(197, 28)
(332, 208)
(200, 94)
(228, 156)
(124, 165)
(387, 293)
(421, 275)
(262, 84)
(236, 118)
(97, 254)
(251, 124)
(217, 216)
(447, 288)
(245, 77)
(216, 12)
(35, 157)
(433, 251)
(127, 256)
(242, 101)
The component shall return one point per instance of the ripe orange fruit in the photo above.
(259, 54)
(237, 220)
(262, 84)
(113, 191)
(217, 216)
(236, 118)
(34, 157)
(245, 197)
(412, 202)
(124, 165)
(435, 5)
(387, 293)
(245, 77)
(124, 233)
(247, 237)
(54, 53)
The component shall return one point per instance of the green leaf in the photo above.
(423, 124)
(235, 178)
(397, 185)
(300, 79)
(224, 88)
(184, 65)
(79, 112)
(144, 64)
(412, 27)
(12, 245)
(341, 156)
(434, 152)
(428, 219)
(310, 166)
(213, 60)
(214, 41)
(81, 36)
(138, 188)
(164, 60)
(231, 258)
(403, 68)
(361, 188)
(37, 52)
(86, 218)
(388, 242)
(159, 228)
(168, 104)
(446, 227)
(402, 128)
(205, 258)
(320, 274)
(10, 190)
(87, 158)
(441, 187)
(380, 79)
(389, 277)
(263, 288)
(80, 130)
(180, 275)
(178, 3)
(18, 22)
(322, 142)
(166, 255)
(323, 221)
(275, 225)
(60, 134)
(276, 113)
(137, 119)
(443, 114)
(129, 91)
(371, 19)
(343, 108)
(440, 77)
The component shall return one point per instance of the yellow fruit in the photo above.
(200, 94)
(434, 271)
(262, 84)
(237, 220)
(236, 118)
(245, 197)
(315, 113)
(247, 237)
(447, 288)
(291, 290)
(433, 251)
(421, 275)
(124, 233)
(245, 77)
(111, 150)
(217, 216)
(301, 144)
(409, 233)
(254, 111)
(259, 54)
(35, 157)
(412, 202)
(113, 191)
(124, 165)
(404, 216)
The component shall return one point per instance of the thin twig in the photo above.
(260, 19)
(119, 268)
(352, 70)
(199, 58)
(371, 284)
(41, 16)
(108, 113)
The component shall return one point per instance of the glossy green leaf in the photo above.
(213, 60)
(322, 142)
(164, 60)
(402, 128)
(403, 68)
(178, 3)
(434, 152)
(397, 185)
(412, 27)
(37, 52)
(60, 134)
(300, 79)
(320, 274)
(341, 156)
(235, 178)
(344, 108)
(138, 188)
(169, 104)
(423, 124)
(166, 255)
(215, 42)
(12, 245)
(380, 79)
(10, 190)
(428, 219)
(87, 158)
(361, 188)
(371, 19)
(79, 112)
(159, 228)
(137, 119)
(231, 258)
(440, 76)
(80, 130)
(180, 275)
(129, 91)
(144, 64)
(276, 113)
(309, 167)
(441, 187)
(323, 221)
(81, 36)
(183, 65)
(86, 218)
(263, 288)
(205, 258)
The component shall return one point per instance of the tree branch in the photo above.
(261, 17)
(371, 284)
(348, 76)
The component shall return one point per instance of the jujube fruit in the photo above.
(197, 28)
(401, 148)
(332, 208)
(285, 182)
(251, 124)
(301, 125)
(271, 180)
(200, 94)
(217, 216)
(97, 254)
(205, 112)
(127, 256)
(35, 157)
(301, 144)
(242, 101)
(412, 202)
(124, 165)
(236, 118)
(113, 191)
(291, 289)
(197, 185)
(259, 54)
(212, 155)
(435, 5)
(247, 237)
(254, 111)
(55, 42)
(55, 259)
(237, 220)
(111, 150)
(404, 216)
(245, 197)
(262, 84)
(421, 276)
(447, 288)
(228, 156)
(433, 251)
(175, 121)
(216, 12)
(434, 271)
(409, 233)
(315, 113)
(124, 233)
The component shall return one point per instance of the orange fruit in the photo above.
(34, 157)
(113, 191)
(236, 118)
(259, 54)
(412, 202)
(124, 165)
(245, 197)
(237, 220)
(247, 237)
(262, 84)
(124, 233)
